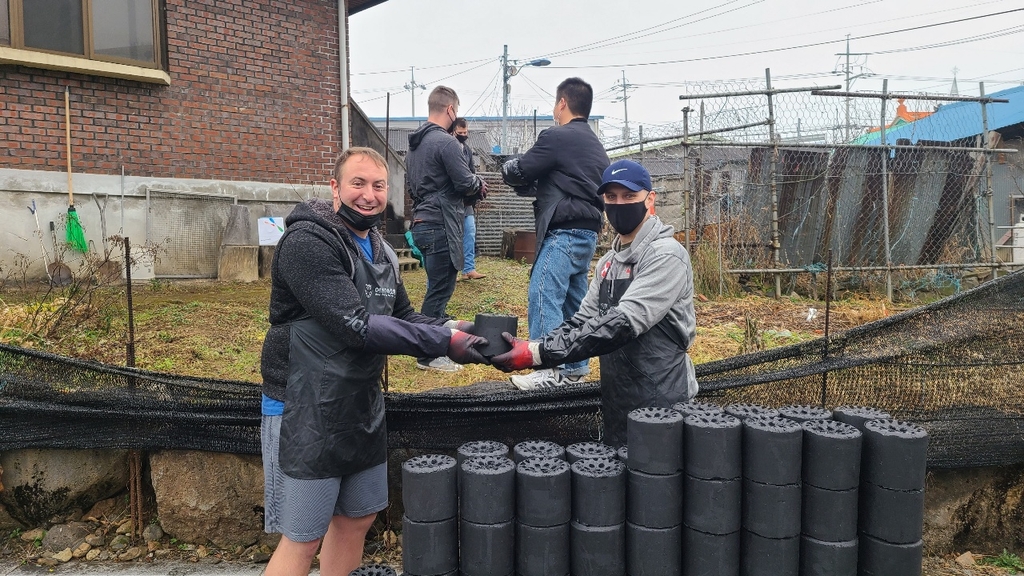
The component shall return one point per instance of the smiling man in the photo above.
(337, 307)
(637, 315)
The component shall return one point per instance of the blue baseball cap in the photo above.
(627, 173)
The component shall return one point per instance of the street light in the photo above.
(508, 71)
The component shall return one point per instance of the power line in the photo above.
(787, 48)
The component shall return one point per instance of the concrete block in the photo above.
(238, 264)
(239, 230)
(266, 256)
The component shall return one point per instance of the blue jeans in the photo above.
(559, 283)
(469, 243)
(432, 241)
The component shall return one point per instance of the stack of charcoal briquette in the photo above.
(748, 490)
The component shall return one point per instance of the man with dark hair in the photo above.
(439, 181)
(469, 225)
(562, 171)
(638, 314)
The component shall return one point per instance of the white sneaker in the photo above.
(547, 378)
(440, 364)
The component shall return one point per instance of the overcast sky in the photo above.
(668, 48)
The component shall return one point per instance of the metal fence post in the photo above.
(986, 158)
(686, 185)
(885, 194)
(776, 259)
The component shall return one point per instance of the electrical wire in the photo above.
(788, 48)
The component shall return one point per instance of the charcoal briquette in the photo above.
(487, 490)
(654, 550)
(429, 491)
(831, 454)
(537, 449)
(598, 492)
(486, 549)
(820, 558)
(895, 454)
(857, 416)
(542, 551)
(804, 413)
(480, 448)
(654, 500)
(829, 515)
(771, 511)
(693, 407)
(655, 440)
(713, 446)
(762, 556)
(743, 410)
(623, 454)
(430, 548)
(772, 450)
(712, 506)
(895, 516)
(597, 550)
(581, 450)
(710, 554)
(879, 558)
(543, 492)
(374, 569)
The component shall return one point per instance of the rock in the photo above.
(92, 554)
(81, 550)
(131, 553)
(209, 497)
(33, 534)
(119, 543)
(64, 555)
(202, 552)
(7, 522)
(153, 546)
(125, 527)
(68, 535)
(966, 559)
(109, 510)
(162, 553)
(41, 483)
(103, 556)
(95, 539)
(48, 562)
(152, 532)
(259, 557)
(974, 508)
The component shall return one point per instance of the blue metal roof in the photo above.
(958, 120)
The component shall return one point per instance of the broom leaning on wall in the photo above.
(75, 236)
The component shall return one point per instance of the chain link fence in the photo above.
(894, 188)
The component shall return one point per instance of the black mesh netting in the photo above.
(953, 366)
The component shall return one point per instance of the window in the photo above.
(118, 31)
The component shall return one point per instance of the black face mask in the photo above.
(356, 220)
(624, 218)
(462, 137)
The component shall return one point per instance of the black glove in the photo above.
(462, 348)
(521, 356)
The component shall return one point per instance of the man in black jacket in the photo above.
(337, 307)
(563, 171)
(469, 271)
(439, 181)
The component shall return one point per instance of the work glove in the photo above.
(462, 348)
(524, 354)
(462, 325)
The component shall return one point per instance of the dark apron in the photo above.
(649, 371)
(333, 423)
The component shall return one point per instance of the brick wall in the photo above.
(253, 96)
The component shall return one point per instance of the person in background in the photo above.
(638, 313)
(469, 271)
(439, 181)
(337, 307)
(562, 171)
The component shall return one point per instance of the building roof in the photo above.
(956, 121)
(355, 6)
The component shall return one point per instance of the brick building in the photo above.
(204, 104)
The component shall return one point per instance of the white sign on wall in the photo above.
(270, 229)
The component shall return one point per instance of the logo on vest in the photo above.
(371, 291)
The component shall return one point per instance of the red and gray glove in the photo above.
(462, 348)
(524, 354)
(462, 325)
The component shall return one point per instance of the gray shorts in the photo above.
(302, 509)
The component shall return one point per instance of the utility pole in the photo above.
(412, 86)
(849, 78)
(625, 107)
(504, 99)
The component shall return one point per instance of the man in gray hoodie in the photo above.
(439, 181)
(637, 315)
